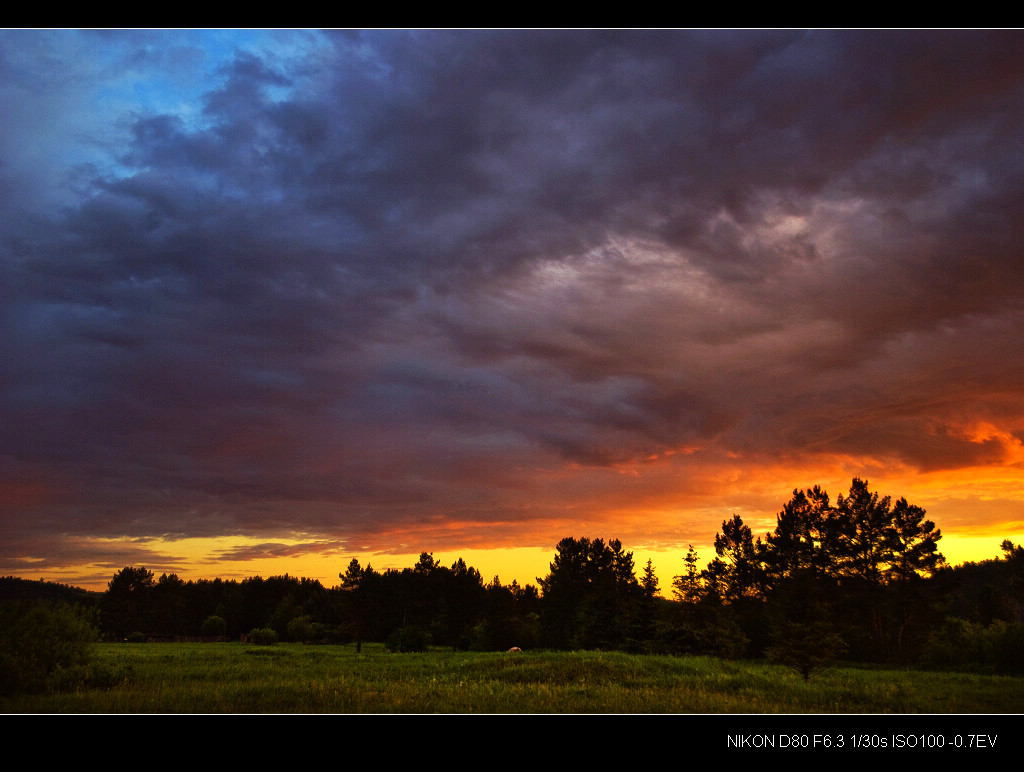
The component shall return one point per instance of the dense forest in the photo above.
(861, 579)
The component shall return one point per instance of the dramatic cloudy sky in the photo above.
(273, 299)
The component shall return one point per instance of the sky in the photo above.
(274, 299)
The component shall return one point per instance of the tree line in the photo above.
(860, 579)
(427, 604)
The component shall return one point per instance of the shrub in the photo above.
(1002, 644)
(300, 630)
(702, 628)
(408, 639)
(43, 645)
(263, 636)
(953, 645)
(321, 633)
(962, 645)
(214, 627)
(136, 637)
(806, 648)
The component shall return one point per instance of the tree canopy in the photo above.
(587, 593)
(857, 562)
(861, 577)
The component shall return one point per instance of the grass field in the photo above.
(292, 678)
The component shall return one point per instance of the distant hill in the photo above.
(13, 588)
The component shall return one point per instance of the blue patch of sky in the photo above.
(139, 74)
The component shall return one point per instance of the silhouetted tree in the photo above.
(510, 617)
(699, 621)
(643, 613)
(863, 534)
(587, 593)
(357, 602)
(914, 544)
(649, 583)
(803, 543)
(741, 576)
(882, 554)
(688, 586)
(127, 603)
(168, 613)
(464, 600)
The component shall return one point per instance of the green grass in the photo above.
(291, 678)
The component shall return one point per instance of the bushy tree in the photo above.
(806, 646)
(464, 594)
(879, 543)
(168, 611)
(913, 544)
(803, 544)
(214, 627)
(263, 636)
(709, 605)
(43, 644)
(587, 595)
(300, 629)
(883, 552)
(127, 605)
(860, 563)
(509, 617)
(406, 639)
(736, 547)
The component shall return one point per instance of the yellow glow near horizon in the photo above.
(976, 509)
(193, 559)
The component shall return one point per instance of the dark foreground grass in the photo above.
(291, 678)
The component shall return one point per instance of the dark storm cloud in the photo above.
(344, 281)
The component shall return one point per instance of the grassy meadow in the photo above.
(293, 678)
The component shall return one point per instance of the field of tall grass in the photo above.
(292, 678)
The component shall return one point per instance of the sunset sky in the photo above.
(270, 300)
